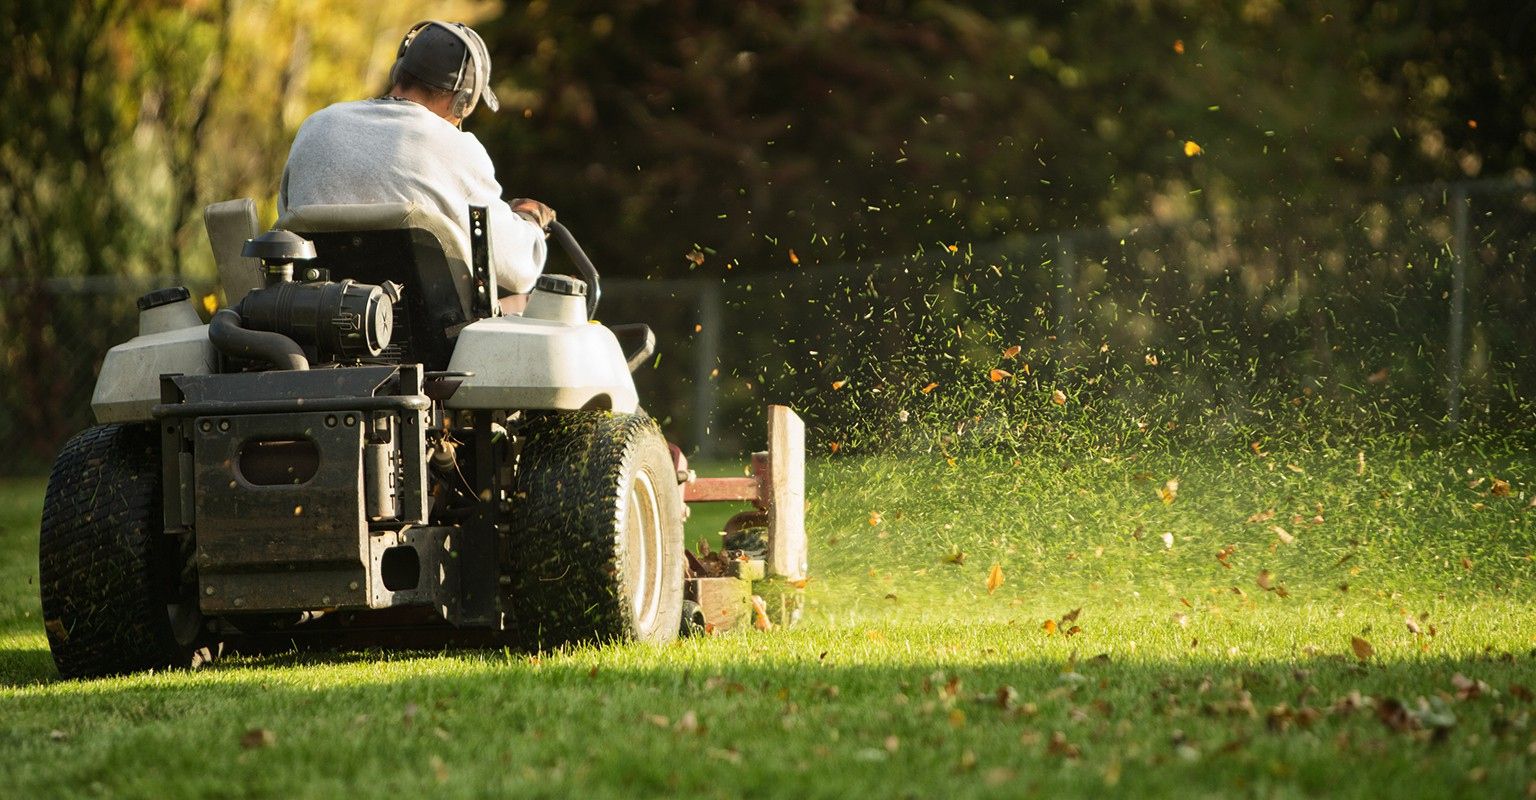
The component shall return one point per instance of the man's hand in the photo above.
(533, 211)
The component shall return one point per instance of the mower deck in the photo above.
(722, 583)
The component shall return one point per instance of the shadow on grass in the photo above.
(26, 666)
(776, 714)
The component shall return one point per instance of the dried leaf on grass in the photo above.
(1059, 746)
(1468, 688)
(257, 738)
(689, 723)
(994, 578)
(1431, 714)
(1007, 697)
(760, 618)
(1063, 626)
(1169, 491)
(1363, 649)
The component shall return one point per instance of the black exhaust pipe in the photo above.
(232, 339)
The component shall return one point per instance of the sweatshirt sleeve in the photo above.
(518, 248)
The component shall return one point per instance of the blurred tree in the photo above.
(846, 129)
(60, 216)
(1254, 136)
(125, 119)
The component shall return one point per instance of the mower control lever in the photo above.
(583, 264)
(647, 344)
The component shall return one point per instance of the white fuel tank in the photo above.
(523, 363)
(172, 339)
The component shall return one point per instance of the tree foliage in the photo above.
(1251, 157)
(125, 119)
(848, 129)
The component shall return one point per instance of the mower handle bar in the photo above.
(583, 264)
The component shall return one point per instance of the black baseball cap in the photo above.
(438, 56)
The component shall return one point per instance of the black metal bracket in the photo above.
(477, 550)
(647, 346)
(484, 302)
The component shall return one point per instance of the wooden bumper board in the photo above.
(776, 486)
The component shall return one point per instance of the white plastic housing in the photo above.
(129, 384)
(524, 363)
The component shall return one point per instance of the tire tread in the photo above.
(565, 563)
(97, 556)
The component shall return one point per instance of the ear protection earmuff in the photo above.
(474, 72)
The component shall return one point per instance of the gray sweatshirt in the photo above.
(390, 151)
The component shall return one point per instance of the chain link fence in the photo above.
(53, 335)
(1421, 300)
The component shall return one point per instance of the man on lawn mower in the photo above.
(408, 146)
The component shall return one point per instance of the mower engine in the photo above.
(309, 485)
(291, 324)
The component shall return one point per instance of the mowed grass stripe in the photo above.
(907, 677)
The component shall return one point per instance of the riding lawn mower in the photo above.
(361, 449)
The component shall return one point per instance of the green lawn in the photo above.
(1186, 676)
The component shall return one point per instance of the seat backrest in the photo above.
(229, 225)
(412, 245)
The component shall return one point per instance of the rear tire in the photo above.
(109, 574)
(597, 532)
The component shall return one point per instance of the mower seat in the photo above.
(410, 244)
(229, 225)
